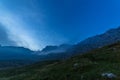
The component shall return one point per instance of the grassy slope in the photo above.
(90, 67)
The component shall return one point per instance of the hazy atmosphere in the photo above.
(36, 23)
(59, 39)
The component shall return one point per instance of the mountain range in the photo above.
(89, 66)
(109, 37)
(54, 49)
(64, 51)
(94, 56)
(11, 56)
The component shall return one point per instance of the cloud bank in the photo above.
(14, 32)
(4, 40)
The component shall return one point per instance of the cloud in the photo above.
(16, 32)
(4, 40)
(26, 25)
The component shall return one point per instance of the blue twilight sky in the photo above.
(36, 23)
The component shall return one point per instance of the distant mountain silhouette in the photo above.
(11, 56)
(11, 52)
(65, 50)
(62, 51)
(53, 52)
(54, 49)
(109, 37)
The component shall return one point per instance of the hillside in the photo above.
(54, 49)
(109, 37)
(65, 51)
(11, 56)
(11, 52)
(87, 66)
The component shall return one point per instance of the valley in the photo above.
(88, 66)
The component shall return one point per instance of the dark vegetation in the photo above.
(88, 66)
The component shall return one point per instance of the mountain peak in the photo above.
(113, 29)
(109, 37)
(48, 48)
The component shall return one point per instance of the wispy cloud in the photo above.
(16, 30)
(27, 25)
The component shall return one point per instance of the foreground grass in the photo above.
(90, 66)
